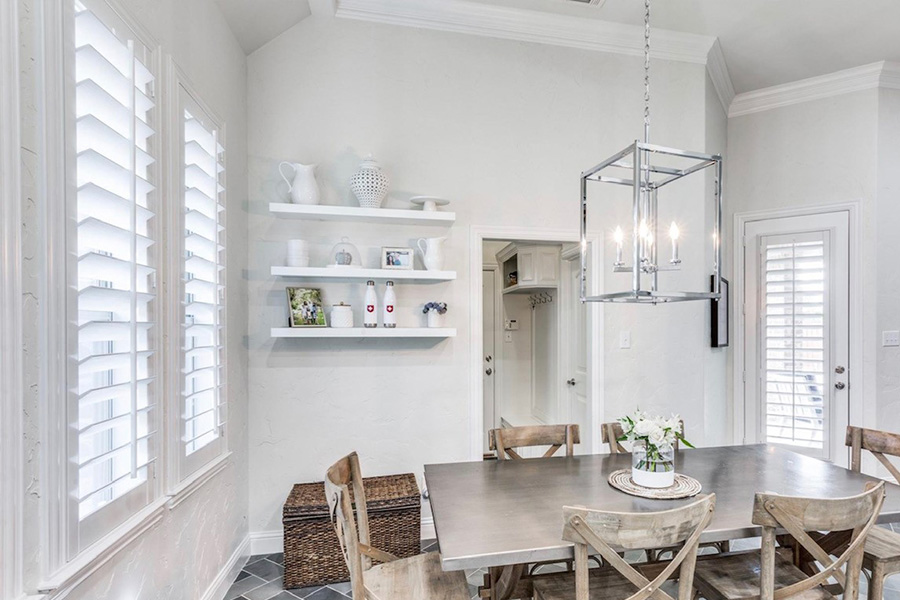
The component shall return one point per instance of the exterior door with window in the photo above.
(796, 333)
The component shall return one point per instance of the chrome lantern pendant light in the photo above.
(648, 168)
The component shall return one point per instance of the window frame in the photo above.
(114, 524)
(186, 473)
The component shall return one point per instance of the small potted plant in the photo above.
(653, 448)
(434, 312)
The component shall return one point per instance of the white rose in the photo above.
(644, 428)
(657, 436)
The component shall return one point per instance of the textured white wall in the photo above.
(180, 557)
(501, 127)
(819, 153)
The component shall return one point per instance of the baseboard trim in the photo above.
(221, 584)
(272, 542)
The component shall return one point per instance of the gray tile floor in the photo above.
(261, 579)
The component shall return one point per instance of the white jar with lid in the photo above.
(342, 316)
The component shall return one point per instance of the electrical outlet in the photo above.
(625, 340)
(890, 338)
(507, 338)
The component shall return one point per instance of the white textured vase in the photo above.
(370, 184)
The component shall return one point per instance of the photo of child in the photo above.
(305, 307)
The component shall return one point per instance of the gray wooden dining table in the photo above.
(498, 513)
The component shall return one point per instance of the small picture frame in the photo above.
(397, 258)
(305, 307)
(721, 316)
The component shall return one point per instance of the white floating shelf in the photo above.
(363, 274)
(362, 332)
(321, 212)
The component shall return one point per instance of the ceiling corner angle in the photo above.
(890, 76)
(719, 75)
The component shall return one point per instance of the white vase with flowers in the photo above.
(653, 442)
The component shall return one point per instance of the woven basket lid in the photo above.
(386, 493)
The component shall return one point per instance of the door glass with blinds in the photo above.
(111, 238)
(203, 406)
(796, 303)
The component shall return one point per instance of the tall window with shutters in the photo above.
(203, 398)
(794, 311)
(112, 410)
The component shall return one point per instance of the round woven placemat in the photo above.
(684, 486)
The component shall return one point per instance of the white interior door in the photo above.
(489, 364)
(796, 333)
(575, 351)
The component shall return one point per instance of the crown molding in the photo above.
(867, 77)
(463, 16)
(718, 74)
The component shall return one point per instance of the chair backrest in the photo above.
(878, 443)
(798, 516)
(611, 532)
(504, 441)
(611, 432)
(351, 532)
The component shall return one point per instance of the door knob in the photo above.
(571, 381)
(489, 371)
(840, 385)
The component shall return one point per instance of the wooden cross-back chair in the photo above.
(769, 575)
(505, 441)
(882, 554)
(610, 533)
(416, 578)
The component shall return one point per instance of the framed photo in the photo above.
(305, 307)
(397, 258)
(721, 317)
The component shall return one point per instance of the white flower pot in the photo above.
(653, 479)
(435, 319)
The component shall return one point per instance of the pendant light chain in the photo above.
(647, 71)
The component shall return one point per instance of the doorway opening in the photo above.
(535, 339)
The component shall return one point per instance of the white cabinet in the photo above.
(529, 267)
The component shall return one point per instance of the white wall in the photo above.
(180, 557)
(501, 127)
(828, 151)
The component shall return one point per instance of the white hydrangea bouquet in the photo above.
(653, 442)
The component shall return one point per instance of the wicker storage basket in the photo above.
(312, 555)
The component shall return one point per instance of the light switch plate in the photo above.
(625, 340)
(890, 338)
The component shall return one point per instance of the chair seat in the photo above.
(736, 575)
(603, 583)
(883, 545)
(416, 578)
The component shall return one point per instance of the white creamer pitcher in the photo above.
(303, 187)
(432, 252)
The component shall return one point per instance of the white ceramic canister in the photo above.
(370, 314)
(342, 316)
(390, 299)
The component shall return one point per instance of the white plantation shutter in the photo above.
(113, 406)
(795, 325)
(203, 406)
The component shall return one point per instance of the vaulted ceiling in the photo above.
(765, 42)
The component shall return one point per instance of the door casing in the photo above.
(858, 414)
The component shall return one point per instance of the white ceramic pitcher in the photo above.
(432, 252)
(303, 188)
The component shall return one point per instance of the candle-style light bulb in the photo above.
(674, 233)
(619, 237)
